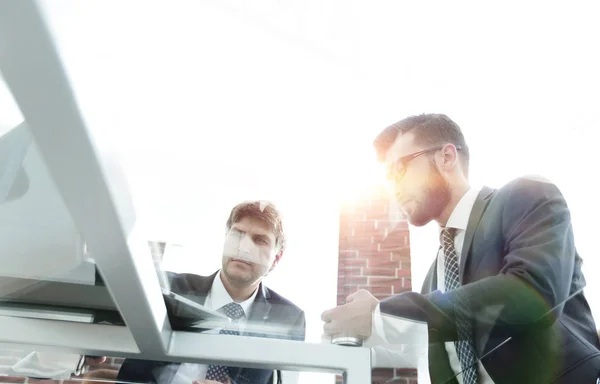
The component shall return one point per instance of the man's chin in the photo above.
(238, 271)
(418, 220)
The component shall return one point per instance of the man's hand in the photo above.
(353, 318)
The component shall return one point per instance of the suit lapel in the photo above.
(483, 198)
(430, 282)
(204, 286)
(195, 287)
(261, 308)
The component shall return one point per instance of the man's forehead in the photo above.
(402, 146)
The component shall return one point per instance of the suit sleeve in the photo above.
(534, 281)
(299, 328)
(140, 371)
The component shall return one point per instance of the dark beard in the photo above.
(435, 198)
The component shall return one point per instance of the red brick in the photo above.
(375, 244)
(406, 372)
(398, 231)
(400, 254)
(381, 261)
(355, 280)
(384, 290)
(396, 287)
(378, 238)
(345, 289)
(381, 375)
(343, 263)
(364, 241)
(382, 372)
(352, 217)
(375, 248)
(351, 271)
(344, 254)
(389, 247)
(344, 242)
(377, 281)
(348, 290)
(359, 227)
(391, 272)
(12, 379)
(403, 272)
(380, 216)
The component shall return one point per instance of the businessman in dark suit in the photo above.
(503, 299)
(253, 247)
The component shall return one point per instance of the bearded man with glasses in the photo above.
(503, 299)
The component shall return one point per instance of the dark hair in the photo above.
(263, 211)
(430, 129)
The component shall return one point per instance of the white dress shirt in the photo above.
(383, 326)
(217, 297)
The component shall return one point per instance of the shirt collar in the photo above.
(220, 297)
(459, 218)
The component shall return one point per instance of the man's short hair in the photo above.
(430, 130)
(264, 211)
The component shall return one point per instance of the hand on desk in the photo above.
(354, 318)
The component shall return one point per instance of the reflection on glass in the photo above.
(113, 370)
(46, 269)
(253, 244)
(10, 115)
(233, 300)
(19, 363)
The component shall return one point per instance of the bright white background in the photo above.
(214, 102)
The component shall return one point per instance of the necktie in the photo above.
(464, 345)
(235, 312)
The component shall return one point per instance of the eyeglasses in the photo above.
(398, 170)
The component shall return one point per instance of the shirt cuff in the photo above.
(377, 328)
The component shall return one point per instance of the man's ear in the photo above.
(446, 160)
(450, 154)
(278, 257)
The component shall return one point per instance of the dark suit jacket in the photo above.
(269, 307)
(522, 282)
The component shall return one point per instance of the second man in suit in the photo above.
(254, 245)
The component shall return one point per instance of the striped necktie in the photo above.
(464, 344)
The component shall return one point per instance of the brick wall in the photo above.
(374, 254)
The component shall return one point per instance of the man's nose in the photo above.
(246, 244)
